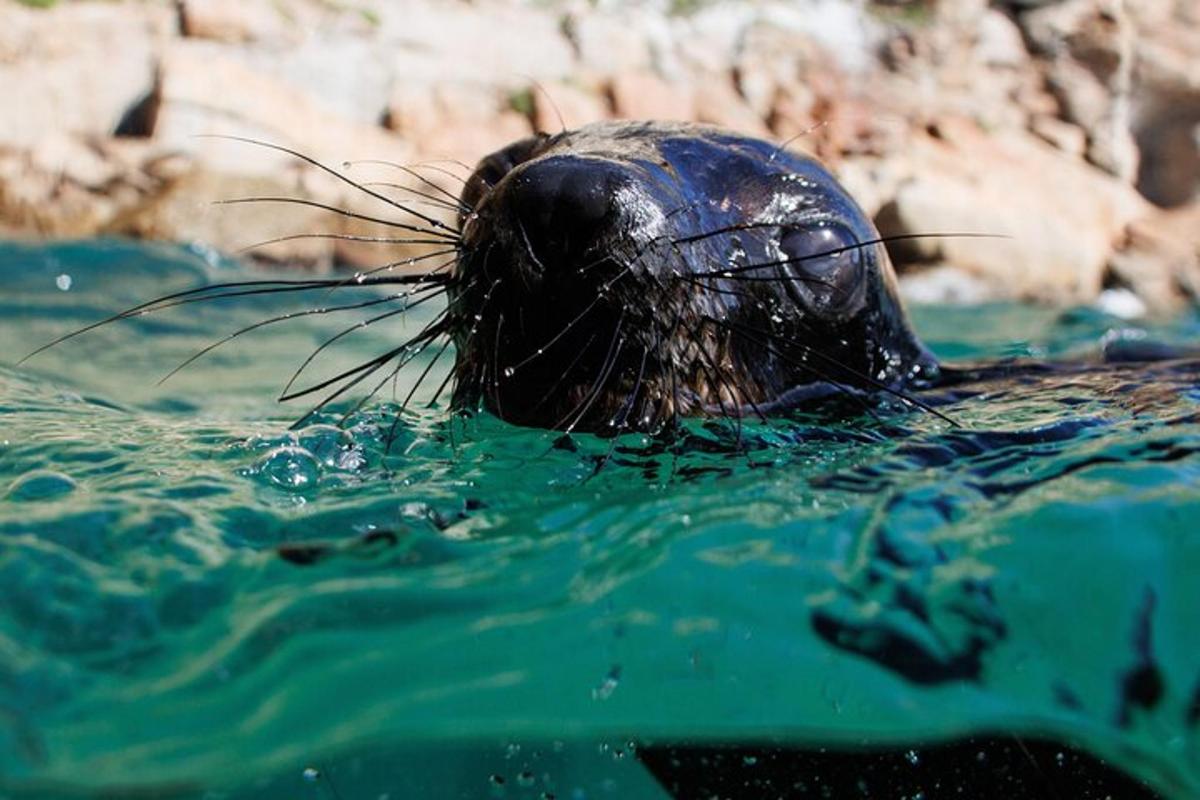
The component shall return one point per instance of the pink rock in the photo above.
(641, 95)
(233, 21)
(1062, 218)
(558, 105)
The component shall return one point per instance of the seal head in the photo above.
(620, 275)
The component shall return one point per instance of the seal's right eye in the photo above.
(827, 259)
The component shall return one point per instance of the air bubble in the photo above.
(526, 779)
(608, 685)
(290, 467)
(509, 372)
(63, 282)
(912, 757)
(311, 774)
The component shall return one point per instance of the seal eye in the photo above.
(826, 261)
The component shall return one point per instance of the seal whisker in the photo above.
(345, 237)
(365, 370)
(405, 361)
(547, 345)
(391, 434)
(720, 384)
(281, 318)
(749, 226)
(410, 169)
(898, 393)
(359, 277)
(431, 331)
(570, 367)
(842, 388)
(301, 201)
(496, 365)
(423, 197)
(359, 326)
(623, 425)
(610, 359)
(435, 223)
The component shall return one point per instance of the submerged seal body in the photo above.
(620, 275)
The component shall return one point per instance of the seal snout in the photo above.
(563, 207)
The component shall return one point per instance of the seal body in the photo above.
(620, 275)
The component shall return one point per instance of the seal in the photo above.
(619, 276)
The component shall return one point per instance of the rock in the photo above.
(202, 92)
(73, 159)
(1121, 303)
(76, 67)
(1090, 48)
(772, 61)
(1167, 111)
(231, 21)
(1061, 218)
(460, 121)
(1160, 258)
(45, 203)
(497, 43)
(559, 105)
(608, 43)
(709, 40)
(641, 95)
(944, 285)
(999, 41)
(718, 103)
(1066, 137)
(188, 209)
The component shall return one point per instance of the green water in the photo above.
(532, 615)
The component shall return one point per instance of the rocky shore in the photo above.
(1070, 128)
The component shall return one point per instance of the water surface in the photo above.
(196, 601)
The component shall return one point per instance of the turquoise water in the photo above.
(527, 616)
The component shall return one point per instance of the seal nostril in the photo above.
(563, 205)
